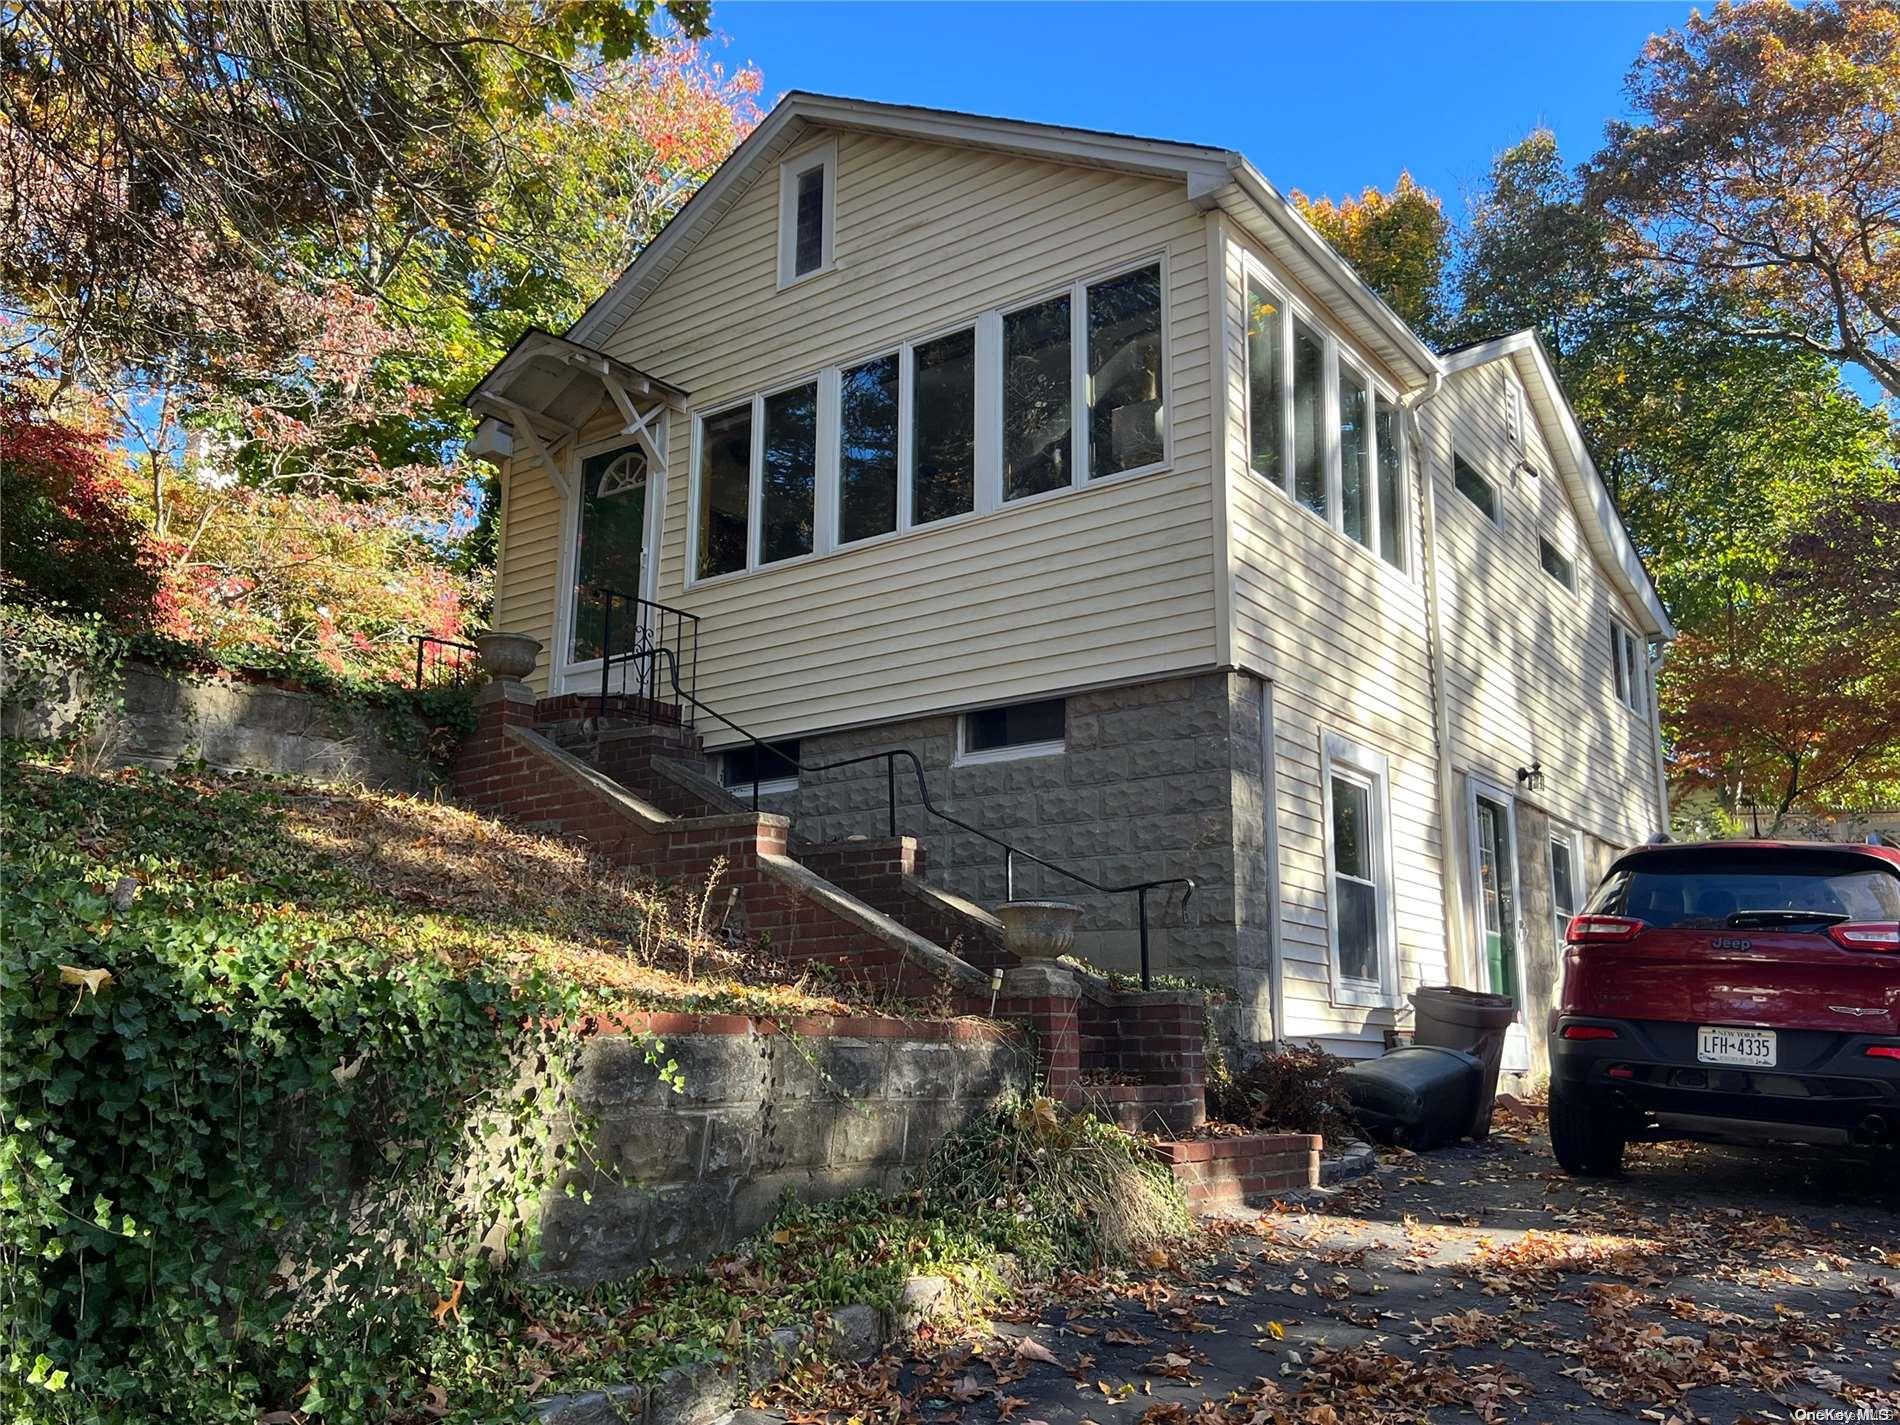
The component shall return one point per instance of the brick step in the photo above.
(511, 768)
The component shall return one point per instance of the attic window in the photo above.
(806, 201)
(1474, 487)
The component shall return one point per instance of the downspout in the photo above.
(1276, 928)
(1655, 730)
(1457, 941)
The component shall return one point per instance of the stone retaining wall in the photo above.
(235, 725)
(814, 1107)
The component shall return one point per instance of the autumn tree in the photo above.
(1762, 177)
(1396, 241)
(416, 184)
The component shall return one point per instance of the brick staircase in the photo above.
(637, 786)
(639, 792)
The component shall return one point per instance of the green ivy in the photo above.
(251, 1141)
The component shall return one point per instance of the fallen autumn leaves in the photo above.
(1493, 1289)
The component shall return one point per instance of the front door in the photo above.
(610, 549)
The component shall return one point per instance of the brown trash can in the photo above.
(1453, 1018)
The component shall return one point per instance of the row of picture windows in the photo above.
(1320, 430)
(892, 442)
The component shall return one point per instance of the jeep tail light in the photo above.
(1588, 1031)
(1867, 935)
(1883, 1051)
(1601, 929)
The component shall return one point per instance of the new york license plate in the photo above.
(1715, 1044)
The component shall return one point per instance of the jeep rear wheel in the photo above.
(1587, 1137)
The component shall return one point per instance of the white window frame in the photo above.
(1493, 516)
(1571, 842)
(769, 787)
(1573, 582)
(1254, 271)
(1629, 666)
(825, 156)
(988, 485)
(967, 757)
(1354, 762)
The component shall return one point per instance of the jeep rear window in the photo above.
(1713, 888)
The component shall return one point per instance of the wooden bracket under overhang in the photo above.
(547, 389)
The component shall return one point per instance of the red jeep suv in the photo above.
(1735, 990)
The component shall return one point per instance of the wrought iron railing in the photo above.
(649, 629)
(442, 661)
(890, 758)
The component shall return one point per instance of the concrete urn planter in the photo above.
(507, 655)
(1038, 930)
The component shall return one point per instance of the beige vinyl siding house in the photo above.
(1293, 706)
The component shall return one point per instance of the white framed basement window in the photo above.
(1017, 730)
(807, 204)
(1019, 403)
(1361, 922)
(774, 767)
(1319, 428)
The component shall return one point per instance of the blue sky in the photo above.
(1324, 98)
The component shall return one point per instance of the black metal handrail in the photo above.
(657, 628)
(457, 665)
(890, 758)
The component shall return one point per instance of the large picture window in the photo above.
(1309, 418)
(1391, 484)
(1355, 456)
(1126, 410)
(1266, 381)
(943, 454)
(1360, 918)
(867, 451)
(791, 474)
(1038, 400)
(725, 491)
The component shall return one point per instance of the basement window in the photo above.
(1019, 730)
(774, 767)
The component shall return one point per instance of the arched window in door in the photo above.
(611, 544)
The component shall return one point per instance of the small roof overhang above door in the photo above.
(547, 389)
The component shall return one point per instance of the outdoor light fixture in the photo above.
(1531, 778)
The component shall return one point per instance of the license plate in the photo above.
(1753, 1047)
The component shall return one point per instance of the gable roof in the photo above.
(1215, 178)
(1609, 537)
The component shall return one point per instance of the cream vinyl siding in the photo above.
(1527, 661)
(1101, 585)
(1341, 635)
(528, 560)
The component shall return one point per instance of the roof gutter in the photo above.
(1460, 962)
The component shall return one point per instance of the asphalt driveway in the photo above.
(1707, 1284)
